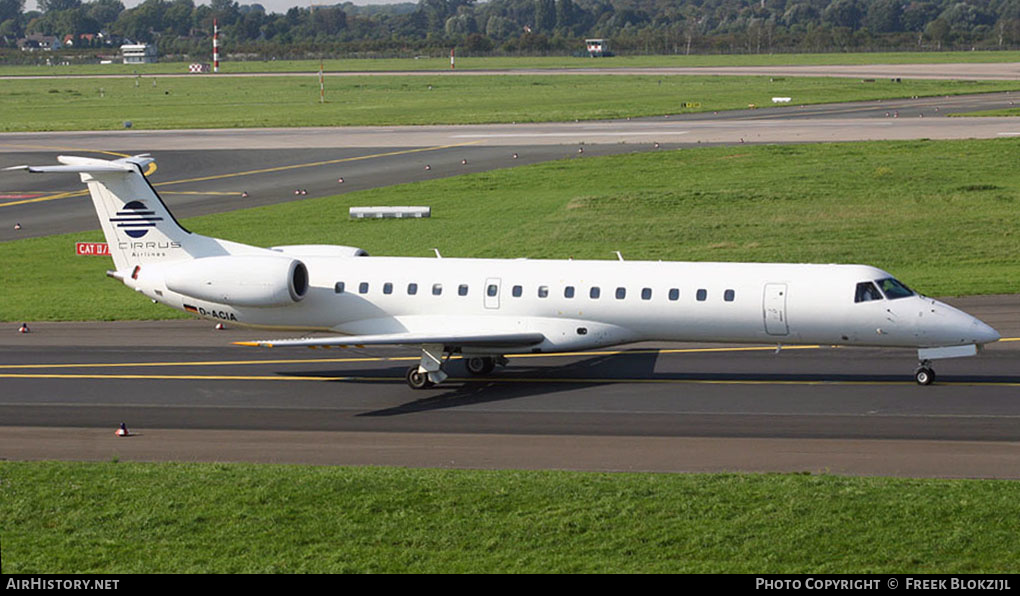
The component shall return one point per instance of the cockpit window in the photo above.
(866, 292)
(894, 289)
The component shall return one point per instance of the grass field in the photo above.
(292, 101)
(468, 63)
(217, 518)
(939, 215)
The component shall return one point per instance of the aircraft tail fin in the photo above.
(138, 226)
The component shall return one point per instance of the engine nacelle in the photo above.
(320, 250)
(240, 280)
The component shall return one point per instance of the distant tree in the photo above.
(565, 10)
(917, 15)
(845, 13)
(460, 25)
(962, 17)
(884, 16)
(225, 12)
(500, 28)
(938, 31)
(477, 43)
(800, 13)
(328, 20)
(11, 29)
(49, 5)
(177, 17)
(105, 12)
(11, 9)
(545, 16)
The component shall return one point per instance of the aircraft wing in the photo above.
(460, 340)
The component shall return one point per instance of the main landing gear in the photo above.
(429, 372)
(925, 374)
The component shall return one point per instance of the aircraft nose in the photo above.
(984, 333)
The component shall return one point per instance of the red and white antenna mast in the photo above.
(215, 47)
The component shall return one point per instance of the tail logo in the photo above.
(135, 219)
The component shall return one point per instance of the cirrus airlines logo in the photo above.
(135, 219)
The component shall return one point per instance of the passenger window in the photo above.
(387, 288)
(646, 294)
(517, 291)
(412, 289)
(728, 295)
(462, 290)
(437, 289)
(594, 293)
(338, 288)
(621, 293)
(674, 294)
(702, 295)
(568, 292)
(492, 290)
(363, 288)
(866, 292)
(543, 291)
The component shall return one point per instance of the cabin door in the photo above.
(774, 308)
(492, 292)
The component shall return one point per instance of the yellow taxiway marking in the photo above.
(579, 380)
(387, 358)
(152, 168)
(318, 163)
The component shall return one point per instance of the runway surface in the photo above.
(207, 171)
(188, 394)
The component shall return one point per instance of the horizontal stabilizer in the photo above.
(87, 165)
(474, 340)
(108, 167)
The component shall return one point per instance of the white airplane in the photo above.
(484, 309)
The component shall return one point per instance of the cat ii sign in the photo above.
(99, 249)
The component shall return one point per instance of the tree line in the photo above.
(531, 27)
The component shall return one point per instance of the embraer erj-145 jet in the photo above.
(484, 309)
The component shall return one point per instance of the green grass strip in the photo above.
(442, 63)
(293, 101)
(240, 518)
(939, 215)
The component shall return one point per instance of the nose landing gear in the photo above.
(925, 374)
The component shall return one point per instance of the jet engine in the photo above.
(240, 280)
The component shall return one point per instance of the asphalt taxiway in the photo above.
(188, 394)
(209, 171)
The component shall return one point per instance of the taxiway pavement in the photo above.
(189, 394)
(210, 171)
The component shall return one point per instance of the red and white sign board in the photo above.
(99, 249)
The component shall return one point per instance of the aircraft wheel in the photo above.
(924, 376)
(479, 365)
(416, 379)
